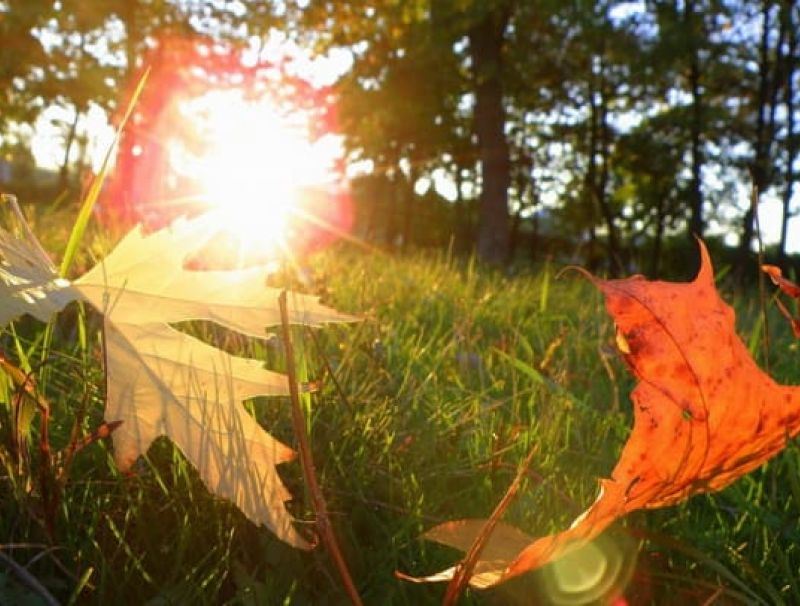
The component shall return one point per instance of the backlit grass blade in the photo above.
(79, 227)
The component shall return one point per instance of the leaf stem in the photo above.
(309, 472)
(762, 297)
(464, 569)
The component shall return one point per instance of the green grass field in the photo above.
(453, 376)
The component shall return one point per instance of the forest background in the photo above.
(601, 132)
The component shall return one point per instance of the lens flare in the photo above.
(252, 165)
(597, 572)
(241, 136)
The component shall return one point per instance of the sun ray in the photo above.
(253, 164)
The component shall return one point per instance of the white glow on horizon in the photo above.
(48, 136)
(770, 213)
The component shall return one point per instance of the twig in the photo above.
(464, 569)
(309, 473)
(49, 491)
(761, 292)
(30, 581)
(713, 597)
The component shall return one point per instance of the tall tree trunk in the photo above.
(589, 179)
(696, 221)
(614, 249)
(791, 134)
(486, 51)
(597, 173)
(522, 185)
(395, 204)
(63, 173)
(409, 204)
(768, 85)
(658, 237)
(514, 234)
(125, 174)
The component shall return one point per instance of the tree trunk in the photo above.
(602, 184)
(124, 173)
(596, 180)
(791, 134)
(409, 205)
(696, 221)
(588, 187)
(522, 185)
(395, 206)
(63, 173)
(768, 84)
(63, 176)
(514, 235)
(486, 46)
(658, 237)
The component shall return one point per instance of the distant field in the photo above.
(454, 374)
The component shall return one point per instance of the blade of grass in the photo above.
(83, 582)
(85, 213)
(544, 295)
(762, 295)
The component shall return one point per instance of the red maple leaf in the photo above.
(704, 415)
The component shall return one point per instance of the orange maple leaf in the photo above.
(704, 415)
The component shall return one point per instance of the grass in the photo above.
(455, 373)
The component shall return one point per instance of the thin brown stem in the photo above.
(318, 501)
(761, 290)
(464, 569)
(47, 487)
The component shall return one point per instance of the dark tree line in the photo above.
(617, 125)
(611, 127)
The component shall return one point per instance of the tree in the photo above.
(765, 101)
(456, 51)
(22, 60)
(76, 76)
(647, 161)
(486, 36)
(790, 14)
(683, 41)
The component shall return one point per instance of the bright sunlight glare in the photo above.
(252, 164)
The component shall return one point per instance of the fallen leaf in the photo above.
(788, 287)
(704, 415)
(144, 280)
(163, 382)
(29, 283)
(502, 547)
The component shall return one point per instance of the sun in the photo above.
(252, 163)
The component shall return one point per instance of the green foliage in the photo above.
(432, 401)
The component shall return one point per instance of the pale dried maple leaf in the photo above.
(162, 382)
(704, 415)
(29, 283)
